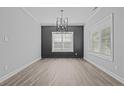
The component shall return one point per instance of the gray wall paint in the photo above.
(24, 39)
(117, 66)
(47, 43)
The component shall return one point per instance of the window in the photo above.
(101, 39)
(95, 42)
(106, 41)
(62, 41)
(101, 42)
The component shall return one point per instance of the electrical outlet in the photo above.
(6, 67)
(75, 54)
(116, 67)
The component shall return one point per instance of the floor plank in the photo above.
(61, 72)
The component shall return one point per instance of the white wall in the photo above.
(24, 40)
(115, 68)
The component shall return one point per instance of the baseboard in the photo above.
(17, 70)
(106, 71)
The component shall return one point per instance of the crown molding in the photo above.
(94, 13)
(29, 14)
(71, 24)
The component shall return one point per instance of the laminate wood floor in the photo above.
(61, 72)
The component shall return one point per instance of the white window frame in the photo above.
(103, 56)
(63, 49)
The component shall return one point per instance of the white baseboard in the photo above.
(121, 79)
(5, 77)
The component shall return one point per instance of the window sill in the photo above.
(104, 57)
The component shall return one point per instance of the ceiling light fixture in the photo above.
(61, 23)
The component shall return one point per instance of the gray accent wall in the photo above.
(47, 43)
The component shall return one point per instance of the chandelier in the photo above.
(61, 22)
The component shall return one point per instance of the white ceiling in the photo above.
(48, 15)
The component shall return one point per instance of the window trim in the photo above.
(100, 55)
(64, 50)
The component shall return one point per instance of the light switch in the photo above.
(6, 38)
